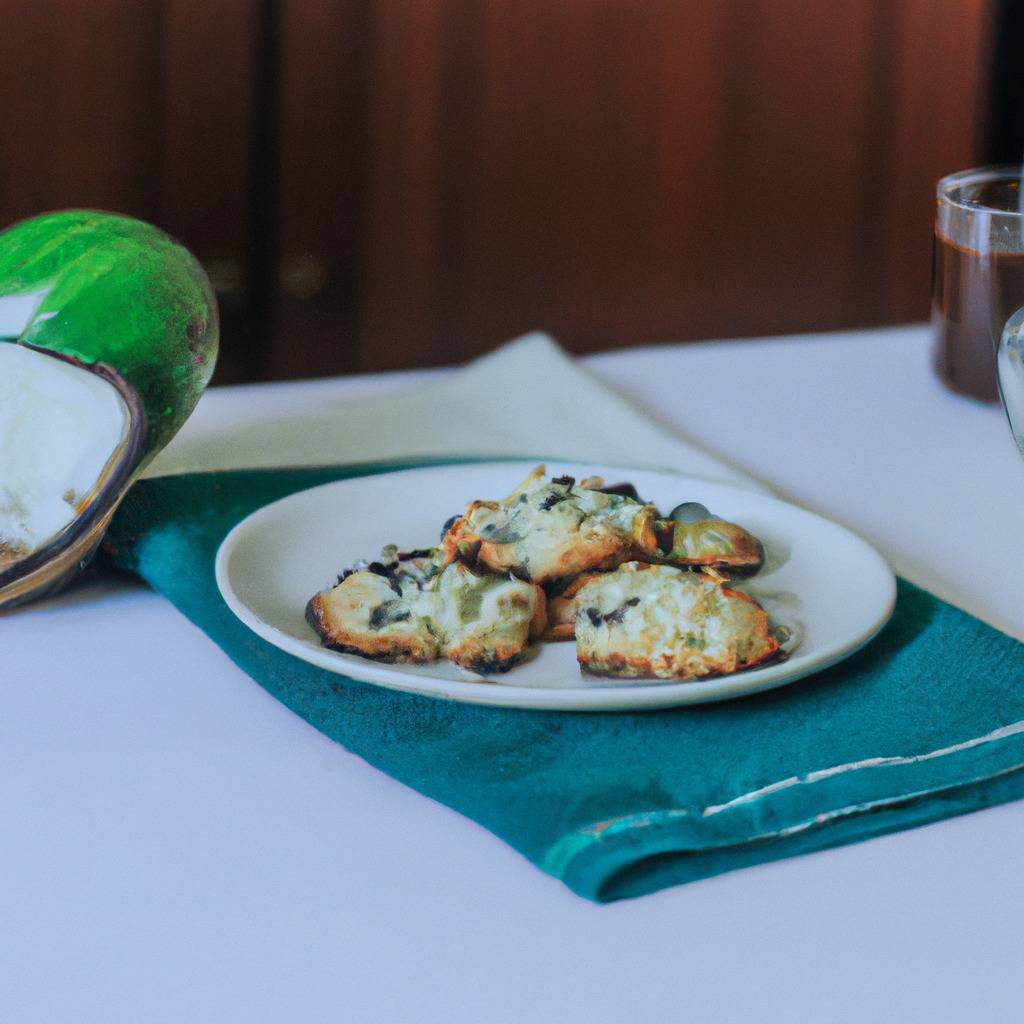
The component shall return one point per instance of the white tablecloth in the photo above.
(177, 846)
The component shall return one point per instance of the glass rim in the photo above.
(978, 176)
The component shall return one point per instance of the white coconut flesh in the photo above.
(61, 428)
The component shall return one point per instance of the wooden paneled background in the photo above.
(384, 183)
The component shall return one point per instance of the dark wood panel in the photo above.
(209, 70)
(384, 183)
(141, 107)
(621, 172)
(413, 114)
(322, 127)
(936, 123)
(81, 97)
(615, 172)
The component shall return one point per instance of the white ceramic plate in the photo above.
(824, 584)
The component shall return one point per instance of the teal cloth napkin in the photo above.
(926, 722)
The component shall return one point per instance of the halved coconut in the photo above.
(69, 439)
(111, 337)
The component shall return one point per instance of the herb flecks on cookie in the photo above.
(551, 529)
(415, 610)
(659, 621)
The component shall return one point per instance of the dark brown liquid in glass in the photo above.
(974, 294)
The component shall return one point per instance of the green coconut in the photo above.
(108, 337)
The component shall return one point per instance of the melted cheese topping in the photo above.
(544, 519)
(476, 620)
(662, 621)
(481, 617)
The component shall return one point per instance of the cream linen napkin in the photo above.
(527, 398)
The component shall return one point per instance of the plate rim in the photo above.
(611, 697)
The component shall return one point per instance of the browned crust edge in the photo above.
(620, 667)
(388, 651)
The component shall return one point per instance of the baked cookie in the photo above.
(549, 530)
(659, 621)
(708, 543)
(415, 609)
(561, 607)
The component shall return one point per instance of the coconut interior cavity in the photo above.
(60, 429)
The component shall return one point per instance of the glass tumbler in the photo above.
(978, 274)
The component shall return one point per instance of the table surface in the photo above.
(177, 846)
